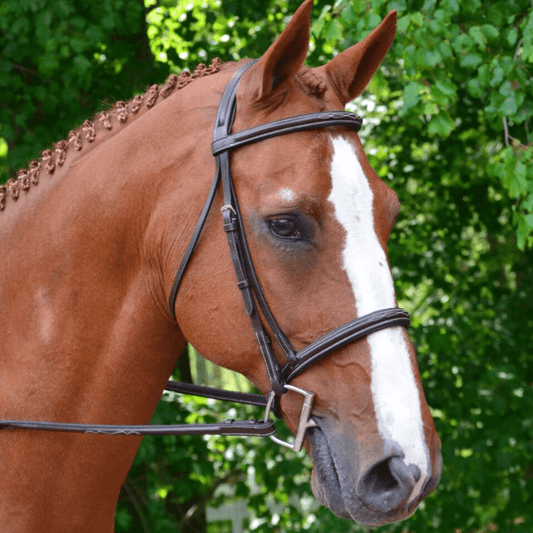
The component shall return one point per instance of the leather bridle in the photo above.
(254, 301)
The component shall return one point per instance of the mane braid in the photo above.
(120, 111)
(311, 83)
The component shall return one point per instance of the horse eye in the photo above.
(286, 228)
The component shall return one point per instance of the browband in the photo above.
(287, 125)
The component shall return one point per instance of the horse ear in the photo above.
(286, 55)
(350, 71)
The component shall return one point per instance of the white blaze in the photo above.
(287, 195)
(394, 390)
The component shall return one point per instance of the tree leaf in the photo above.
(411, 96)
(478, 35)
(470, 61)
(440, 125)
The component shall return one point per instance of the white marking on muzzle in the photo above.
(394, 390)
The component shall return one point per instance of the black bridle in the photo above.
(254, 301)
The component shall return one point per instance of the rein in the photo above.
(254, 301)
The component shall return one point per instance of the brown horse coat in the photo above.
(87, 260)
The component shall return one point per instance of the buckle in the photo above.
(305, 418)
(228, 208)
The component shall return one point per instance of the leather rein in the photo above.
(254, 301)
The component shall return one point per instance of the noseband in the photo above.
(254, 301)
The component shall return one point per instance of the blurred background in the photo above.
(448, 125)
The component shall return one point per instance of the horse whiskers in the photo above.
(50, 159)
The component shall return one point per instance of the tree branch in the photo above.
(134, 500)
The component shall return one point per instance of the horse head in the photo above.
(317, 220)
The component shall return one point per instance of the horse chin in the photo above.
(333, 485)
(325, 482)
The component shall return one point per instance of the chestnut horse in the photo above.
(88, 259)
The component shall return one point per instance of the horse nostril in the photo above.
(380, 479)
(388, 484)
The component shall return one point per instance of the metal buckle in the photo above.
(228, 208)
(304, 422)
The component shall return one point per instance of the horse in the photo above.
(92, 235)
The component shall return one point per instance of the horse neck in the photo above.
(83, 305)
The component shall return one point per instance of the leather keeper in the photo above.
(243, 284)
(230, 226)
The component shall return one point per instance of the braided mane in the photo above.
(86, 133)
(119, 112)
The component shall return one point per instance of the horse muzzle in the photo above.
(374, 491)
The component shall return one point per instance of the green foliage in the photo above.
(447, 125)
(461, 68)
(514, 166)
(186, 33)
(63, 61)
